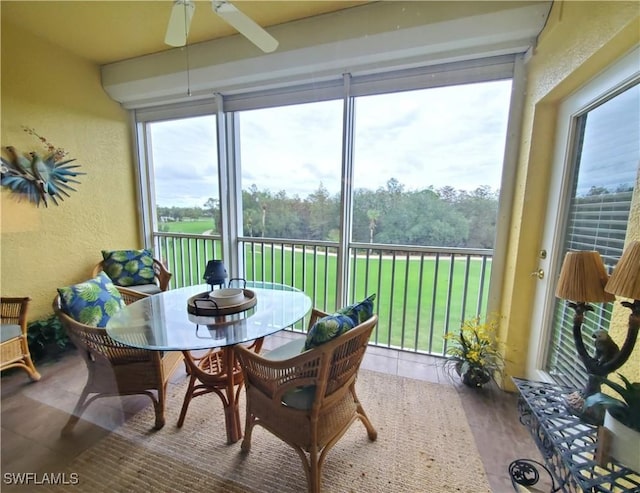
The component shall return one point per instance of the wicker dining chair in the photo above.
(115, 369)
(14, 347)
(162, 278)
(308, 400)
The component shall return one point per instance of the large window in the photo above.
(321, 182)
(290, 160)
(184, 170)
(428, 165)
(183, 195)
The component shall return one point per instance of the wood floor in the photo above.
(34, 413)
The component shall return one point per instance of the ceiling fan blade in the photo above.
(245, 26)
(179, 22)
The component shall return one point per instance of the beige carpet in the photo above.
(424, 445)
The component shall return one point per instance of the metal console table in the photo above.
(567, 444)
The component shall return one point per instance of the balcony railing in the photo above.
(421, 292)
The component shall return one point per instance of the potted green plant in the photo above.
(622, 419)
(473, 352)
(47, 338)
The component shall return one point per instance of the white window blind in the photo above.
(446, 74)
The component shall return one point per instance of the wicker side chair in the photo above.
(14, 347)
(163, 276)
(115, 369)
(309, 400)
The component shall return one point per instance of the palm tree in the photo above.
(373, 216)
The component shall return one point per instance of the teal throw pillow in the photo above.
(91, 302)
(129, 267)
(327, 328)
(361, 311)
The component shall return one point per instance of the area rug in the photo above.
(424, 445)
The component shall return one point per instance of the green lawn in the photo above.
(409, 293)
(412, 293)
(188, 227)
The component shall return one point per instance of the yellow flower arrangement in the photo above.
(474, 351)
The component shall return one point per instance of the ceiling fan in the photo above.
(182, 13)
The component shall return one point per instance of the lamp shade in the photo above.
(582, 278)
(625, 279)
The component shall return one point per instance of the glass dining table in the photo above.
(163, 322)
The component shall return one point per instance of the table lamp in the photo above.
(625, 279)
(582, 280)
(625, 282)
(215, 273)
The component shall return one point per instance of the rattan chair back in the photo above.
(14, 348)
(163, 276)
(117, 369)
(329, 371)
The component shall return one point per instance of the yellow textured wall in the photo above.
(60, 96)
(580, 40)
(620, 317)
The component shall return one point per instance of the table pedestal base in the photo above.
(218, 371)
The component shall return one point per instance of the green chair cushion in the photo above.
(287, 350)
(129, 267)
(91, 302)
(300, 398)
(9, 331)
(146, 288)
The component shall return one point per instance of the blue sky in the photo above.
(451, 136)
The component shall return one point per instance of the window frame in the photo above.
(346, 87)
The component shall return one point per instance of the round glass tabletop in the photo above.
(162, 322)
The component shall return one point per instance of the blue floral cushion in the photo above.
(92, 302)
(359, 312)
(327, 328)
(129, 267)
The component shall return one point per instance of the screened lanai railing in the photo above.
(421, 292)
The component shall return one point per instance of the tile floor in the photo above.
(32, 414)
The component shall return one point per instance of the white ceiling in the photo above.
(362, 40)
(109, 31)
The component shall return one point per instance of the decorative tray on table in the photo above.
(221, 302)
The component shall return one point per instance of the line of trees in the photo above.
(390, 214)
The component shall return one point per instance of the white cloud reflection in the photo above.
(450, 136)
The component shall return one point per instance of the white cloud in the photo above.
(451, 136)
